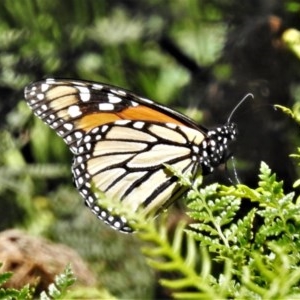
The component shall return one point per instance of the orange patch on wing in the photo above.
(144, 113)
(94, 120)
(139, 113)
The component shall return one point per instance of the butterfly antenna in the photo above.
(238, 105)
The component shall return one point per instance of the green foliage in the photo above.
(18, 180)
(294, 113)
(90, 293)
(291, 37)
(13, 294)
(115, 258)
(256, 252)
(297, 157)
(58, 289)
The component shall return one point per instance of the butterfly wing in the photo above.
(121, 143)
(73, 107)
(126, 161)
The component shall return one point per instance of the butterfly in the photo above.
(122, 143)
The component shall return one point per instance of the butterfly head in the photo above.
(214, 149)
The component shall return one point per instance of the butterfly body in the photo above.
(122, 144)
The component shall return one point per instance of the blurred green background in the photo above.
(200, 57)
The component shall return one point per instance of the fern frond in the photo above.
(280, 280)
(58, 289)
(24, 293)
(248, 254)
(211, 213)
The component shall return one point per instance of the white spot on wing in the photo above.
(138, 125)
(68, 126)
(171, 125)
(122, 122)
(104, 128)
(106, 106)
(74, 111)
(80, 150)
(114, 99)
(44, 87)
(77, 172)
(79, 159)
(80, 180)
(87, 138)
(84, 191)
(40, 96)
(83, 89)
(96, 209)
(85, 97)
(95, 130)
(120, 92)
(78, 134)
(97, 86)
(196, 149)
(84, 92)
(117, 224)
(68, 139)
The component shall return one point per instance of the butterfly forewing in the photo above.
(72, 108)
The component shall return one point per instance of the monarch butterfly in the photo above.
(122, 142)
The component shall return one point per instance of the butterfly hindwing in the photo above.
(126, 161)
